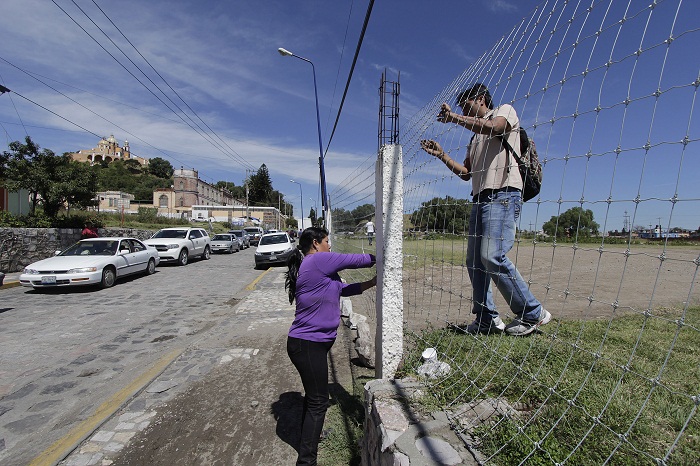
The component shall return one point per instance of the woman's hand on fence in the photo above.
(369, 283)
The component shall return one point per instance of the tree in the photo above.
(238, 192)
(574, 223)
(343, 221)
(160, 168)
(362, 214)
(80, 185)
(133, 166)
(446, 214)
(260, 187)
(51, 180)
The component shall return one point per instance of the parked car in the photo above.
(92, 261)
(225, 242)
(179, 244)
(255, 233)
(243, 238)
(274, 248)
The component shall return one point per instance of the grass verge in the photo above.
(623, 391)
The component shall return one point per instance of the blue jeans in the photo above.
(491, 236)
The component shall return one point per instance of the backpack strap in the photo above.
(509, 150)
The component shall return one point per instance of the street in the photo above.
(65, 354)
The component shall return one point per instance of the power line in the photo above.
(198, 131)
(244, 162)
(352, 69)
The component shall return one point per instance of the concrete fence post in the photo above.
(389, 221)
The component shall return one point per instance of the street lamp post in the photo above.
(301, 200)
(324, 203)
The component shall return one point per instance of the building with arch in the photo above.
(107, 150)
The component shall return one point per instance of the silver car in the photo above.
(243, 238)
(225, 242)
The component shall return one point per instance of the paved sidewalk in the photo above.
(240, 365)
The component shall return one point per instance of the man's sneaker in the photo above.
(485, 327)
(520, 327)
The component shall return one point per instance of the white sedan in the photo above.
(92, 261)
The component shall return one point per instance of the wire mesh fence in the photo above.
(607, 90)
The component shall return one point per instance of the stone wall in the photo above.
(20, 247)
(398, 432)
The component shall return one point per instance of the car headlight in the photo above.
(173, 246)
(31, 271)
(258, 253)
(83, 270)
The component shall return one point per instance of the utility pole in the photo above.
(247, 192)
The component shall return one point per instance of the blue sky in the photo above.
(221, 58)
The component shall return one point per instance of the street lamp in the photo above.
(324, 203)
(301, 200)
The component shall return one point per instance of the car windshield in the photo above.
(222, 238)
(180, 234)
(92, 248)
(252, 230)
(273, 239)
(237, 233)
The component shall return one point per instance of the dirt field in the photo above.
(572, 284)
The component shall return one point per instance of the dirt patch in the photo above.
(582, 283)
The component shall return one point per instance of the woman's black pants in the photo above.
(311, 360)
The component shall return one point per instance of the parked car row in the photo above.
(102, 261)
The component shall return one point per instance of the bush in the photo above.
(147, 215)
(24, 221)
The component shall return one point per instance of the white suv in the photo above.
(180, 243)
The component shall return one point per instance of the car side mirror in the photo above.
(56, 253)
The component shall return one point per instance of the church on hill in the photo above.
(107, 150)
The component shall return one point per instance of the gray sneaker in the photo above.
(485, 327)
(519, 327)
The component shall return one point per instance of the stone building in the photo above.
(115, 201)
(188, 190)
(107, 150)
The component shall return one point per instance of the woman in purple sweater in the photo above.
(313, 281)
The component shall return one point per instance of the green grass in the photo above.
(620, 390)
(345, 420)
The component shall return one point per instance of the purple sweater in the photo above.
(318, 293)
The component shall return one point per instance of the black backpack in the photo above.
(528, 164)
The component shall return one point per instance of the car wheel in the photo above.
(207, 253)
(183, 258)
(151, 267)
(109, 277)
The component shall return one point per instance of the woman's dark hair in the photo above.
(306, 241)
(472, 93)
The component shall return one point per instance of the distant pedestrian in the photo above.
(497, 190)
(312, 281)
(369, 227)
(90, 231)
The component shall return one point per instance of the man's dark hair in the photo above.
(472, 93)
